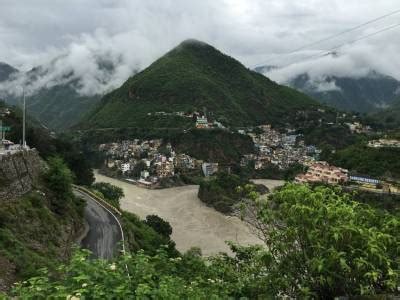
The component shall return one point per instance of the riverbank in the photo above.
(194, 224)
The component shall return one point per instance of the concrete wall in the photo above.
(19, 172)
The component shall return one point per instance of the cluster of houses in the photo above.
(203, 123)
(200, 119)
(6, 145)
(149, 161)
(384, 143)
(321, 171)
(280, 149)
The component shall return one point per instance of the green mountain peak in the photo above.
(195, 76)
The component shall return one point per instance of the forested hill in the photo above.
(364, 94)
(389, 118)
(195, 76)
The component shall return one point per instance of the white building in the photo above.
(209, 168)
(144, 174)
(201, 122)
(125, 167)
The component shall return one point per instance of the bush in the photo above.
(111, 193)
(159, 225)
(58, 179)
(221, 191)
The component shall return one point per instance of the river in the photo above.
(194, 224)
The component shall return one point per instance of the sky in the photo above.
(72, 36)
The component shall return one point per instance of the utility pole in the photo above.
(23, 119)
(1, 131)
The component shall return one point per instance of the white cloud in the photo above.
(68, 37)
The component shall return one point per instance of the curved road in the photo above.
(104, 233)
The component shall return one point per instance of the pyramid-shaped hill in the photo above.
(195, 76)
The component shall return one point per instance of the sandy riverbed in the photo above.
(194, 224)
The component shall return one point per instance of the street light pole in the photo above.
(23, 120)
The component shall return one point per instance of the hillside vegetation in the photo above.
(377, 162)
(327, 239)
(39, 228)
(195, 77)
(61, 106)
(365, 94)
(47, 144)
(388, 118)
(213, 145)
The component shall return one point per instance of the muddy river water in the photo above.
(194, 224)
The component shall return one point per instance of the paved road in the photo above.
(104, 233)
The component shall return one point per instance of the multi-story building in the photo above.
(209, 168)
(201, 122)
(321, 171)
(164, 169)
(125, 167)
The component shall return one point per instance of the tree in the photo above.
(110, 192)
(323, 244)
(58, 179)
(319, 243)
(159, 225)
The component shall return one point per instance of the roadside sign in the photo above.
(5, 128)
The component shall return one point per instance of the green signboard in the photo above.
(5, 128)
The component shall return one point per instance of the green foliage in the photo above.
(58, 179)
(323, 135)
(140, 236)
(151, 277)
(377, 162)
(159, 225)
(213, 145)
(191, 77)
(327, 245)
(221, 191)
(111, 193)
(362, 94)
(318, 244)
(40, 138)
(388, 118)
(32, 235)
(60, 106)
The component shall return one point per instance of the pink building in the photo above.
(321, 171)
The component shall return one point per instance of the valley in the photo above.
(182, 150)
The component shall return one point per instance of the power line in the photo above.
(334, 36)
(328, 51)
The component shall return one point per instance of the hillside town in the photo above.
(279, 149)
(148, 162)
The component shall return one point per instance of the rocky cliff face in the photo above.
(19, 172)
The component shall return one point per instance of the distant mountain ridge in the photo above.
(369, 93)
(195, 76)
(365, 94)
(58, 107)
